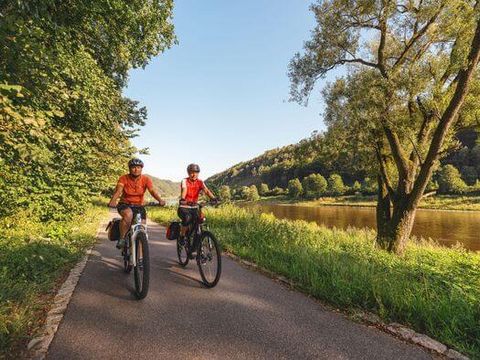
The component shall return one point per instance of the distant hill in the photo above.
(314, 155)
(166, 188)
(277, 166)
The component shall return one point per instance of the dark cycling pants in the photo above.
(188, 215)
(136, 209)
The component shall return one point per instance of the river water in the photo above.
(445, 227)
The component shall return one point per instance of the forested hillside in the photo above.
(322, 154)
(167, 188)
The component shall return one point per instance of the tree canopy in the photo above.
(65, 126)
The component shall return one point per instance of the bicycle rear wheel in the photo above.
(182, 253)
(209, 259)
(127, 267)
(141, 272)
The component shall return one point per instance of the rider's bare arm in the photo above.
(208, 192)
(156, 196)
(183, 192)
(116, 195)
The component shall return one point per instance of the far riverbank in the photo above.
(439, 202)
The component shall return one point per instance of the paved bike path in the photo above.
(247, 316)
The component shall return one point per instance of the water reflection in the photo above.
(446, 227)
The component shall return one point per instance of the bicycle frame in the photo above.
(136, 227)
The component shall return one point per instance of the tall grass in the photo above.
(433, 289)
(34, 256)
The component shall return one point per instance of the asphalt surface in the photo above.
(247, 316)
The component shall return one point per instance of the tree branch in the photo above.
(449, 116)
(381, 49)
(383, 172)
(358, 61)
(397, 152)
(416, 36)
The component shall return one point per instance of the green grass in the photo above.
(439, 202)
(34, 258)
(433, 289)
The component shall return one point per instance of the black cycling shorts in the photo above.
(136, 209)
(188, 215)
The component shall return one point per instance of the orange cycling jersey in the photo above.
(134, 188)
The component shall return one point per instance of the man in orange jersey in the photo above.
(131, 189)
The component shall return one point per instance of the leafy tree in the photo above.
(314, 186)
(295, 188)
(369, 186)
(245, 193)
(224, 193)
(356, 187)
(253, 194)
(413, 77)
(277, 191)
(263, 189)
(335, 185)
(450, 181)
(469, 174)
(65, 126)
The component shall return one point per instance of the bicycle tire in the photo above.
(142, 283)
(203, 259)
(182, 249)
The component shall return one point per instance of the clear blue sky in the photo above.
(221, 95)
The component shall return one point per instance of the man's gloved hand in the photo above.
(183, 202)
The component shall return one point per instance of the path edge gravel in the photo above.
(398, 330)
(37, 348)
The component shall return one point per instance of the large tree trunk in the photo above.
(384, 215)
(394, 227)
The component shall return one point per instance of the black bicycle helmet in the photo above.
(135, 162)
(193, 168)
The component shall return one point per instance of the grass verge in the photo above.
(34, 259)
(432, 289)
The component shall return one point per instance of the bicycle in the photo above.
(136, 256)
(206, 247)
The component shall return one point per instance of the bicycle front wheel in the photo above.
(182, 252)
(141, 271)
(209, 259)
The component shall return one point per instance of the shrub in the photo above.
(356, 187)
(450, 181)
(277, 191)
(369, 186)
(314, 186)
(224, 193)
(335, 185)
(295, 188)
(244, 193)
(253, 194)
(263, 190)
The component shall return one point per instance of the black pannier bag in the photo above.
(113, 229)
(173, 230)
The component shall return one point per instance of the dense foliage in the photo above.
(64, 124)
(432, 289)
(320, 154)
